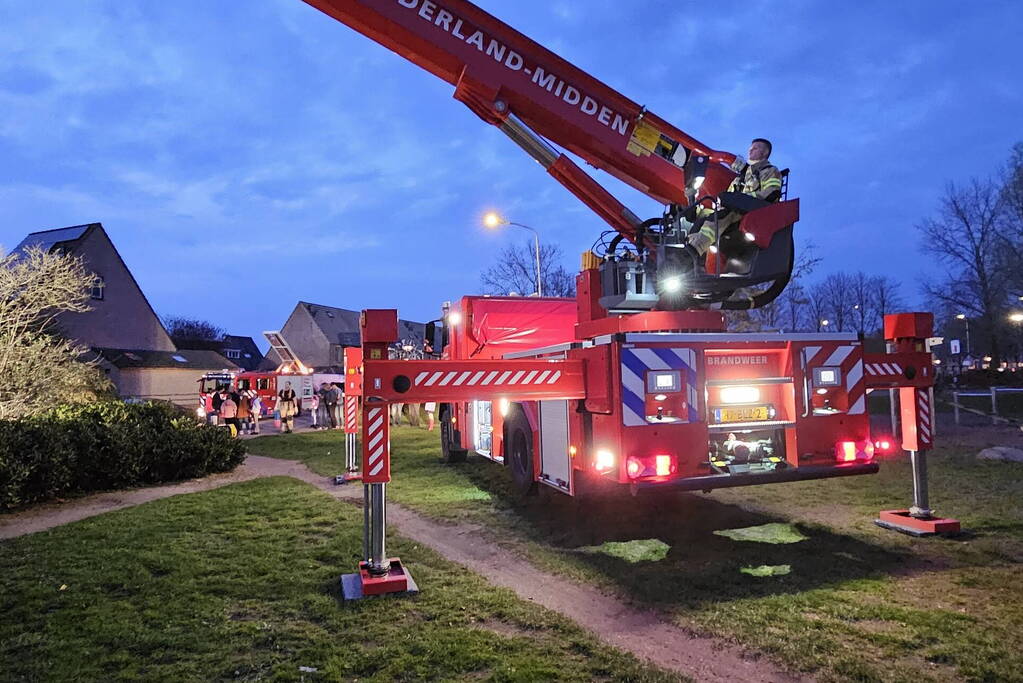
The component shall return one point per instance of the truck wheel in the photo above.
(450, 437)
(518, 451)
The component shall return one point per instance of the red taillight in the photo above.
(845, 451)
(638, 467)
(663, 465)
(604, 461)
(851, 451)
(633, 467)
(883, 445)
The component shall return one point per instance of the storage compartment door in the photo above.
(483, 427)
(555, 461)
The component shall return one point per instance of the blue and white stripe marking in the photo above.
(636, 363)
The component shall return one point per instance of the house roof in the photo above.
(194, 359)
(341, 326)
(250, 353)
(243, 344)
(48, 239)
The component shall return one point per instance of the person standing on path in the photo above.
(257, 409)
(330, 400)
(287, 407)
(430, 408)
(229, 412)
(316, 409)
(244, 411)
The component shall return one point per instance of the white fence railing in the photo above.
(993, 393)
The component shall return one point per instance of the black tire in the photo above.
(449, 437)
(518, 451)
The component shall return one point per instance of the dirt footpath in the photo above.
(644, 633)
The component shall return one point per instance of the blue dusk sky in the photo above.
(246, 155)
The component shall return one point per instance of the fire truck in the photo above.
(668, 408)
(636, 382)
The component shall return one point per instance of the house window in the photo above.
(98, 286)
(233, 354)
(337, 353)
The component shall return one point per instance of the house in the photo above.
(160, 375)
(318, 334)
(126, 336)
(242, 351)
(121, 316)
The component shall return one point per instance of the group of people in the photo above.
(326, 409)
(240, 410)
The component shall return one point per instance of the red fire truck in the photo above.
(657, 408)
(645, 387)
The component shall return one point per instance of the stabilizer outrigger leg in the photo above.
(378, 574)
(350, 418)
(907, 333)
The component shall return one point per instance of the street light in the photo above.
(962, 316)
(492, 219)
(1016, 317)
(825, 322)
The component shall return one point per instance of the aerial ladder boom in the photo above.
(534, 96)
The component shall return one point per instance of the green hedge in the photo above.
(108, 445)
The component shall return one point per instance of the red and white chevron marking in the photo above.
(850, 360)
(484, 378)
(376, 461)
(924, 415)
(882, 369)
(351, 414)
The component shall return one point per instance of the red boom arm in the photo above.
(512, 82)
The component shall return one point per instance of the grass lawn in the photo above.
(240, 583)
(858, 602)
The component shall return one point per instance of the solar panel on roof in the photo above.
(45, 240)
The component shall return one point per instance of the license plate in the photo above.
(741, 414)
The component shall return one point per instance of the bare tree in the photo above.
(181, 328)
(885, 298)
(515, 271)
(817, 304)
(861, 288)
(968, 235)
(1012, 199)
(837, 290)
(38, 369)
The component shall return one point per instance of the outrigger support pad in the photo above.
(918, 520)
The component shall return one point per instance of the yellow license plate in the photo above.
(741, 414)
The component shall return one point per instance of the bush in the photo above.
(108, 445)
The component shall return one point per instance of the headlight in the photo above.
(671, 284)
(740, 395)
